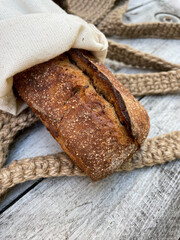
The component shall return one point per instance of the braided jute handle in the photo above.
(158, 150)
(9, 126)
(167, 81)
(136, 58)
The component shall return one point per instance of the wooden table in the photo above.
(142, 204)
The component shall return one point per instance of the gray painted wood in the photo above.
(143, 204)
(156, 10)
(137, 4)
(136, 205)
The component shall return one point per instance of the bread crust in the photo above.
(129, 109)
(97, 122)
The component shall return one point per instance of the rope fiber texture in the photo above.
(166, 81)
(61, 165)
(107, 16)
(9, 126)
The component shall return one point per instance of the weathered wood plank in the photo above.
(37, 136)
(124, 205)
(137, 4)
(135, 14)
(27, 145)
(143, 204)
(155, 9)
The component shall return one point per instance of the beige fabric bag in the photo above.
(33, 32)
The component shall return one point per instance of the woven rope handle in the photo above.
(151, 83)
(167, 81)
(151, 153)
(9, 126)
(135, 58)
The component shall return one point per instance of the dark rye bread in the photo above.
(94, 118)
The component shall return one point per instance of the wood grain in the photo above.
(143, 204)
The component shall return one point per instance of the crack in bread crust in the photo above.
(85, 57)
(91, 82)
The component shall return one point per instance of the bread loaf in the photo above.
(94, 118)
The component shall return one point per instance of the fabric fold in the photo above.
(35, 32)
